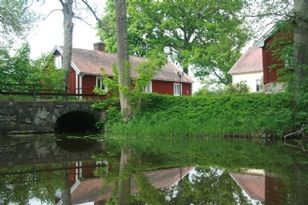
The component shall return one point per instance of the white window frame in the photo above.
(99, 84)
(58, 61)
(148, 88)
(259, 85)
(175, 85)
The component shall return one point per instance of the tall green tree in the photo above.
(17, 68)
(15, 16)
(206, 35)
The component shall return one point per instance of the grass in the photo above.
(244, 115)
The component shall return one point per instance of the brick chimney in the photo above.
(99, 46)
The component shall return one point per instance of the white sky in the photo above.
(48, 32)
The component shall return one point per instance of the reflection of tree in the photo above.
(207, 186)
(19, 188)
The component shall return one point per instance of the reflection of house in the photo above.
(89, 65)
(252, 184)
(260, 186)
(96, 190)
(258, 66)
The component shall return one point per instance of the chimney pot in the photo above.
(99, 46)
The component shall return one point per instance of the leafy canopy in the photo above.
(206, 35)
(15, 16)
(19, 69)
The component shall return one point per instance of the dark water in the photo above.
(37, 170)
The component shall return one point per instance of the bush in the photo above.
(216, 115)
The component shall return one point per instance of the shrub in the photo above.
(217, 115)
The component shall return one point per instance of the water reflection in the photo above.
(36, 170)
(25, 149)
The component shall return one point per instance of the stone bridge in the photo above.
(36, 117)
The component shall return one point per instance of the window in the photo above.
(58, 61)
(177, 89)
(148, 87)
(100, 84)
(258, 85)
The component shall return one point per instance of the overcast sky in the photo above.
(48, 32)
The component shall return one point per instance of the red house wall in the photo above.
(88, 84)
(270, 64)
(162, 87)
(186, 89)
(72, 81)
(166, 87)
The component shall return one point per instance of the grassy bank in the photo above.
(221, 115)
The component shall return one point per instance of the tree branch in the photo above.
(51, 12)
(81, 19)
(62, 3)
(98, 20)
(219, 77)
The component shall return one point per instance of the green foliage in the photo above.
(145, 70)
(50, 77)
(245, 115)
(227, 89)
(28, 75)
(206, 35)
(17, 68)
(282, 48)
(15, 16)
(237, 88)
(19, 188)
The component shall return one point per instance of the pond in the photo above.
(70, 169)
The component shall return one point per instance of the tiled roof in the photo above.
(250, 62)
(95, 189)
(253, 185)
(93, 62)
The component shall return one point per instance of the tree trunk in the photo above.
(66, 191)
(67, 9)
(124, 178)
(123, 58)
(300, 38)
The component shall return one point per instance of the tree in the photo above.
(207, 186)
(206, 35)
(300, 38)
(15, 16)
(68, 27)
(17, 68)
(123, 58)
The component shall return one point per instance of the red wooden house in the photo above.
(259, 66)
(89, 65)
(270, 42)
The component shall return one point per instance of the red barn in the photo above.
(89, 65)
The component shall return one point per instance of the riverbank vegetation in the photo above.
(228, 115)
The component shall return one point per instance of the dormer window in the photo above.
(58, 61)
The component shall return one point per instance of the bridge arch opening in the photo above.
(76, 121)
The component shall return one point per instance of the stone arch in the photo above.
(76, 121)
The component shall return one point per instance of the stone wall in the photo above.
(35, 117)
